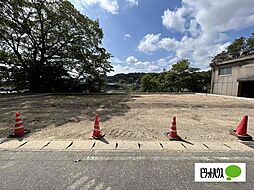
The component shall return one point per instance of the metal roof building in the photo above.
(234, 77)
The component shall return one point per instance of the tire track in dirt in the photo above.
(120, 133)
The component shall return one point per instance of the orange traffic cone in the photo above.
(96, 134)
(172, 134)
(241, 130)
(19, 130)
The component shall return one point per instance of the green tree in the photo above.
(181, 66)
(239, 47)
(181, 69)
(146, 83)
(170, 81)
(223, 56)
(250, 42)
(49, 46)
(161, 82)
(236, 47)
(199, 81)
(154, 82)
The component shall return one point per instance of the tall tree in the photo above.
(236, 47)
(181, 69)
(222, 56)
(239, 47)
(47, 45)
(250, 42)
(170, 81)
(146, 83)
(181, 77)
(181, 66)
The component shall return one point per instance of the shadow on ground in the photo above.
(41, 112)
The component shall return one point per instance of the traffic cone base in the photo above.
(241, 130)
(92, 136)
(176, 138)
(13, 135)
(241, 137)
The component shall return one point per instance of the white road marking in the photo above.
(77, 175)
(78, 183)
(9, 164)
(136, 158)
(88, 185)
(99, 187)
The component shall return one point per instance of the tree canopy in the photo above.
(239, 47)
(48, 46)
(181, 77)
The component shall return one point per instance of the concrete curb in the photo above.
(123, 145)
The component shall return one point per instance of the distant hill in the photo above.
(129, 78)
(129, 81)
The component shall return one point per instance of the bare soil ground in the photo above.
(132, 117)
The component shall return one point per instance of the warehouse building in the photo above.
(234, 77)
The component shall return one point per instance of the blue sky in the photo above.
(149, 35)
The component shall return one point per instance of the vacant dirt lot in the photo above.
(145, 117)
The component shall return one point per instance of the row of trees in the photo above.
(48, 46)
(123, 79)
(181, 77)
(239, 47)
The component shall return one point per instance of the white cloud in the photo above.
(149, 43)
(175, 19)
(134, 61)
(169, 44)
(142, 64)
(120, 69)
(132, 2)
(154, 68)
(108, 5)
(116, 61)
(222, 47)
(211, 15)
(194, 28)
(198, 50)
(131, 59)
(126, 36)
(204, 25)
(132, 64)
(222, 16)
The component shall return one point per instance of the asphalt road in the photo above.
(113, 170)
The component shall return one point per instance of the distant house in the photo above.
(234, 77)
(112, 86)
